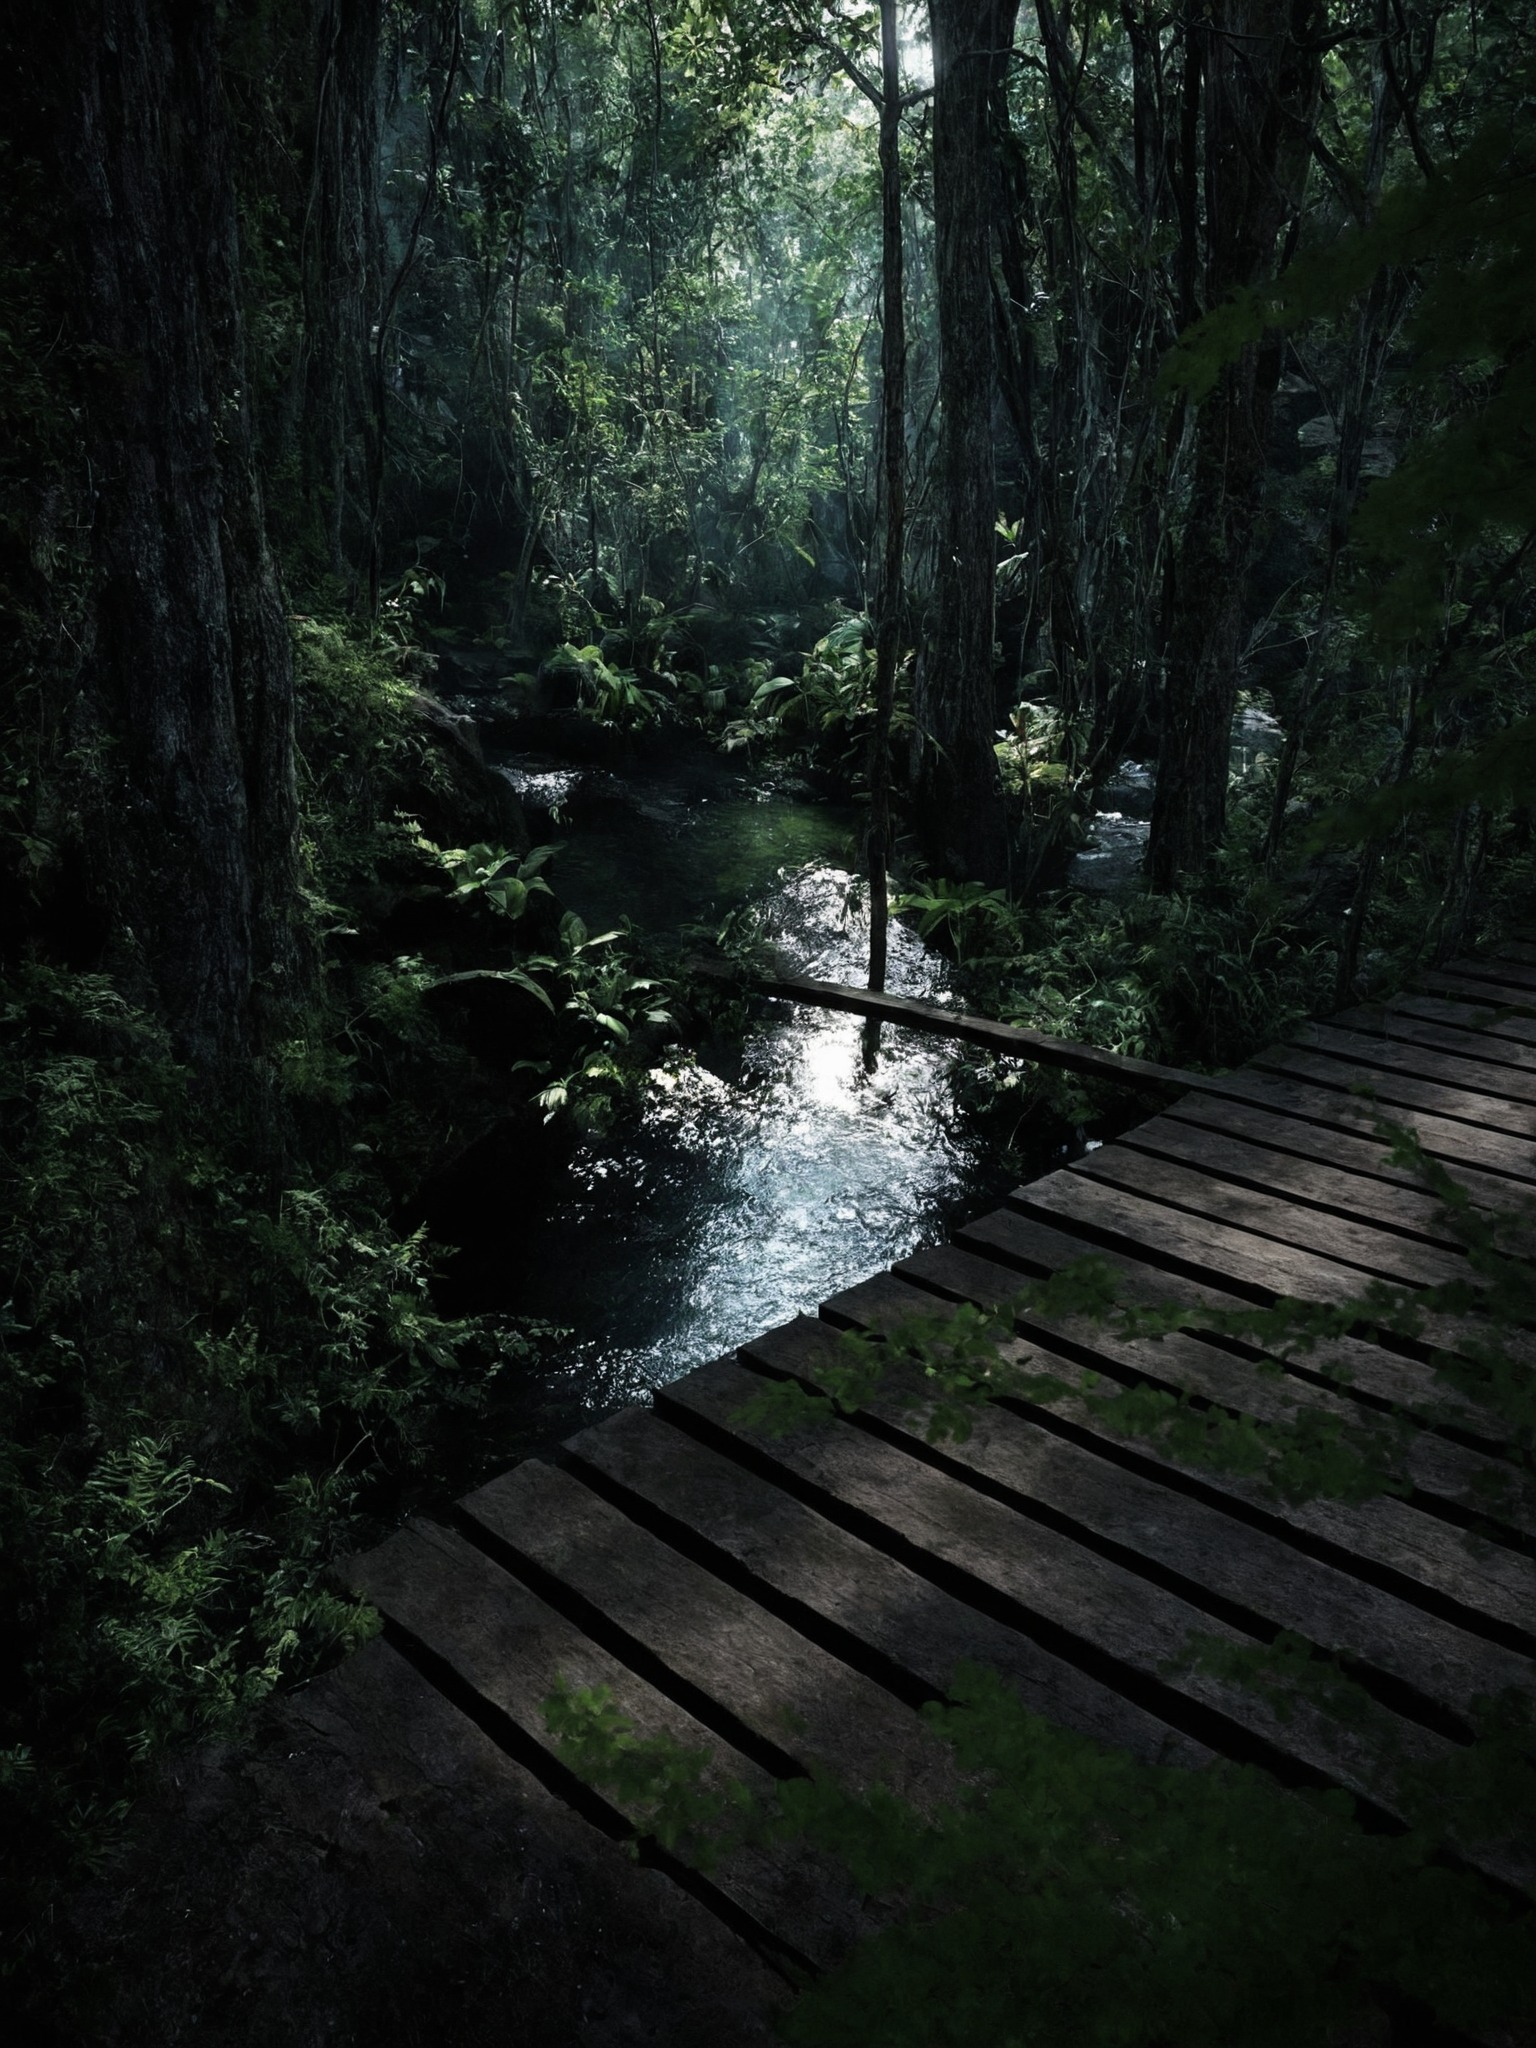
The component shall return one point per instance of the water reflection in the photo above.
(761, 1180)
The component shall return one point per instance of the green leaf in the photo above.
(507, 974)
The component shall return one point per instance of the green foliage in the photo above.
(217, 1369)
(609, 1003)
(1201, 977)
(613, 696)
(1469, 235)
(201, 1380)
(826, 713)
(1074, 1894)
(1437, 574)
(503, 881)
(972, 917)
(664, 1784)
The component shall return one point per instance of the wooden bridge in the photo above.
(790, 1602)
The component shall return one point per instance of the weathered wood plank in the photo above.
(1475, 988)
(1485, 1021)
(1388, 1377)
(1335, 1108)
(1352, 1150)
(1421, 1554)
(1098, 1611)
(1262, 1268)
(1204, 1553)
(368, 1866)
(869, 1606)
(1482, 1077)
(1484, 1114)
(1408, 1026)
(512, 1650)
(1414, 1216)
(1517, 973)
(792, 1694)
(1345, 1239)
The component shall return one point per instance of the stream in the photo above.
(761, 1176)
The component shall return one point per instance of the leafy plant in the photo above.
(604, 996)
(613, 696)
(503, 881)
(971, 916)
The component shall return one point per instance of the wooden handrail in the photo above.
(1013, 1040)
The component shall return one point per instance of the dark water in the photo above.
(758, 1179)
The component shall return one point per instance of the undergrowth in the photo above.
(220, 1362)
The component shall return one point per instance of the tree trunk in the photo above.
(184, 713)
(342, 257)
(893, 453)
(1261, 84)
(957, 792)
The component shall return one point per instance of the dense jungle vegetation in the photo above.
(944, 401)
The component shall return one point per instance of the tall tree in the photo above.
(958, 794)
(183, 812)
(1259, 64)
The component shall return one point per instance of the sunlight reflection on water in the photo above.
(749, 1193)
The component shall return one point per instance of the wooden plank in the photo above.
(1484, 1077)
(1515, 949)
(709, 1638)
(1107, 1617)
(865, 1604)
(510, 1650)
(1518, 974)
(1413, 1548)
(1404, 1024)
(382, 1800)
(1486, 1114)
(1197, 1547)
(1344, 1376)
(365, 1865)
(1415, 1216)
(1473, 988)
(1387, 1377)
(1336, 1109)
(1013, 1041)
(1362, 1156)
(1198, 1192)
(1485, 1021)
(1260, 1267)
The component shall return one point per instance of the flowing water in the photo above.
(759, 1177)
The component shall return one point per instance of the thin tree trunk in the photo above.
(452, 42)
(957, 791)
(1375, 329)
(893, 420)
